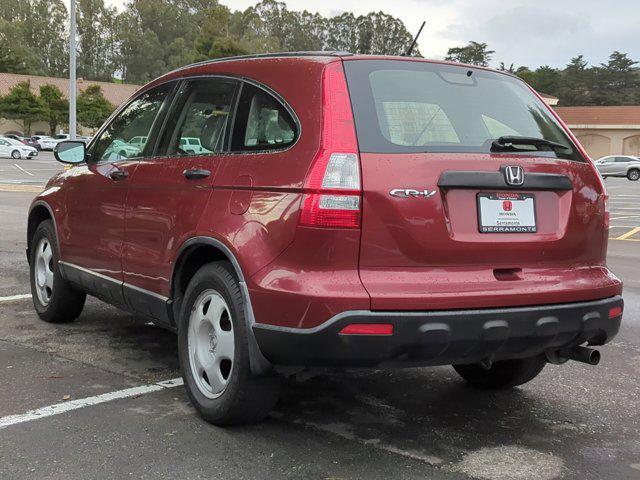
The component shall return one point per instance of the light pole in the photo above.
(72, 72)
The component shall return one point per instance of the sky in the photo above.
(523, 32)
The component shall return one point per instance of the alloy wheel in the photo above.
(44, 271)
(211, 343)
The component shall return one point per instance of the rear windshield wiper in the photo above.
(509, 142)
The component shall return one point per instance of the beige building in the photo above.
(115, 93)
(613, 130)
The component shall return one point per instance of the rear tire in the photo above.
(633, 175)
(55, 299)
(502, 374)
(214, 351)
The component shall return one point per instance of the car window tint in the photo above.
(115, 143)
(198, 125)
(262, 122)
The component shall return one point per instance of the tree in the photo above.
(56, 108)
(616, 82)
(474, 53)
(575, 83)
(96, 37)
(544, 79)
(22, 104)
(215, 39)
(93, 108)
(15, 56)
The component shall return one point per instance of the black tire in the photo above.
(15, 155)
(633, 174)
(246, 398)
(502, 374)
(66, 302)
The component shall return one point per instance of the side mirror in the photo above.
(70, 152)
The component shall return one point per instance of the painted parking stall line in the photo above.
(64, 407)
(15, 298)
(23, 170)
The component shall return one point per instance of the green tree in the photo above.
(56, 108)
(616, 82)
(544, 79)
(576, 82)
(22, 104)
(473, 53)
(215, 39)
(96, 24)
(93, 108)
(15, 55)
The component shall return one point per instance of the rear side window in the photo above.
(262, 122)
(410, 107)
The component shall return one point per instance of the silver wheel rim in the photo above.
(634, 175)
(211, 344)
(44, 271)
(15, 154)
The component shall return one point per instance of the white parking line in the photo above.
(14, 298)
(23, 170)
(87, 402)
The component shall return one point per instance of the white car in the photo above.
(192, 145)
(10, 147)
(619, 166)
(46, 142)
(61, 137)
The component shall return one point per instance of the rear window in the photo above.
(409, 107)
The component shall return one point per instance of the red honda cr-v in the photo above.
(307, 210)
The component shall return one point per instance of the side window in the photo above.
(262, 122)
(122, 139)
(199, 124)
(622, 160)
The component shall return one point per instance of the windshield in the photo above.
(13, 141)
(408, 107)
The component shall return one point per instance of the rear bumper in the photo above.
(442, 337)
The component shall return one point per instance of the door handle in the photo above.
(118, 175)
(196, 173)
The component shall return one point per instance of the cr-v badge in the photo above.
(408, 192)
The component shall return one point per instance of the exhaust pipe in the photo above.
(579, 354)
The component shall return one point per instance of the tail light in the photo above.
(333, 189)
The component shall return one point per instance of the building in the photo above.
(609, 130)
(115, 93)
(549, 99)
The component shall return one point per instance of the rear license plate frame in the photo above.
(521, 217)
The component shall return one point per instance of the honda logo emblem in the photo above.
(514, 176)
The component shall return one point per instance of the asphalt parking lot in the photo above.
(573, 421)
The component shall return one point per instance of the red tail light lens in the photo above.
(333, 188)
(615, 312)
(367, 329)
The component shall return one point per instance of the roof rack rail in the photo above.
(330, 53)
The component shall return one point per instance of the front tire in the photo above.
(15, 155)
(502, 374)
(633, 175)
(55, 299)
(214, 351)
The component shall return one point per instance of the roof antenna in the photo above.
(415, 39)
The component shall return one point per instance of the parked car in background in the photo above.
(139, 142)
(10, 147)
(408, 213)
(619, 166)
(45, 142)
(65, 136)
(119, 149)
(26, 140)
(192, 145)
